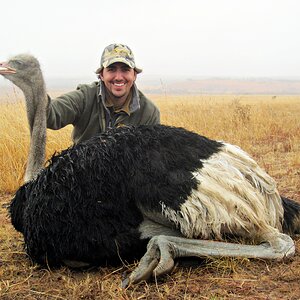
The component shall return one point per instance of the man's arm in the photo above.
(65, 109)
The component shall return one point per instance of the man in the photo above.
(111, 102)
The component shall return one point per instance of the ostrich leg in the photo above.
(162, 250)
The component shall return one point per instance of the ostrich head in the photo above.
(24, 71)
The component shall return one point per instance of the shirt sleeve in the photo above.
(65, 109)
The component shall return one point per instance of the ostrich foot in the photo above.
(162, 250)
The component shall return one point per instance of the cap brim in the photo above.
(118, 59)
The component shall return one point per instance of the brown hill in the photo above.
(224, 86)
(180, 86)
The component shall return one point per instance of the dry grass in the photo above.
(267, 128)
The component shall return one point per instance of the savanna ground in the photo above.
(267, 127)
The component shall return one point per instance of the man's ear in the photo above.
(101, 75)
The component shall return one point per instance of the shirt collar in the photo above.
(125, 108)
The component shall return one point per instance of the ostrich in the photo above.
(34, 90)
(161, 191)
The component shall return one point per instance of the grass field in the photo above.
(267, 127)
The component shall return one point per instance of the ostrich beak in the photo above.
(6, 69)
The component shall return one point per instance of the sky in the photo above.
(190, 38)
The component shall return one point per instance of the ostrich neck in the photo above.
(36, 103)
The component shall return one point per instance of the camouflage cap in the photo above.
(117, 53)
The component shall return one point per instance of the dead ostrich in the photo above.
(175, 191)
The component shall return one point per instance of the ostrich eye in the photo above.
(19, 63)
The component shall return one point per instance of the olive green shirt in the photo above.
(85, 109)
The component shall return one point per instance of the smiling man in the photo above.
(112, 101)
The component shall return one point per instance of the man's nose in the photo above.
(119, 75)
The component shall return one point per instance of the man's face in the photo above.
(118, 79)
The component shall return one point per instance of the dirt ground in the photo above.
(210, 279)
